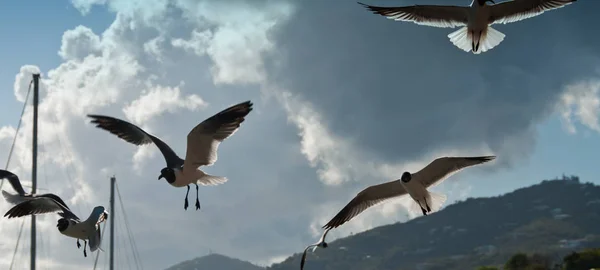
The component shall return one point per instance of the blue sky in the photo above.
(32, 32)
(342, 100)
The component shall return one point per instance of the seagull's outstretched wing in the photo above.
(135, 135)
(204, 139)
(40, 205)
(430, 15)
(366, 198)
(512, 11)
(442, 168)
(304, 256)
(314, 246)
(322, 239)
(13, 180)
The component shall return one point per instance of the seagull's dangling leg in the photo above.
(478, 41)
(473, 41)
(84, 246)
(421, 206)
(427, 205)
(185, 205)
(197, 201)
(78, 245)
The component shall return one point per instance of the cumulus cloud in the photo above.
(158, 100)
(580, 103)
(79, 43)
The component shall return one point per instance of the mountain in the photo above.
(552, 218)
(214, 262)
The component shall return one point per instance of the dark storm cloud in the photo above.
(401, 89)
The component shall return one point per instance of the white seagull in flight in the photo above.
(415, 185)
(202, 143)
(69, 224)
(476, 35)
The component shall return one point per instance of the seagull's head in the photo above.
(406, 177)
(168, 174)
(483, 2)
(325, 245)
(62, 224)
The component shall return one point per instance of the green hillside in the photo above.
(554, 218)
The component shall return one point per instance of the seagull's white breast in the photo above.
(79, 230)
(183, 179)
(415, 189)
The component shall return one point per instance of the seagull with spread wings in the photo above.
(314, 246)
(415, 184)
(476, 35)
(202, 143)
(69, 224)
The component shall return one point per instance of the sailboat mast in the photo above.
(36, 90)
(112, 223)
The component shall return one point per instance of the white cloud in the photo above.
(198, 42)
(84, 6)
(153, 48)
(238, 39)
(22, 81)
(79, 43)
(161, 99)
(336, 159)
(580, 103)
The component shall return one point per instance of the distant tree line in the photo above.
(583, 260)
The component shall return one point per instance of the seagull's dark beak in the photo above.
(160, 176)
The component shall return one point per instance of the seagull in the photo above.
(69, 224)
(202, 143)
(476, 35)
(21, 196)
(415, 185)
(321, 243)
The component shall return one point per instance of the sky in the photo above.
(343, 99)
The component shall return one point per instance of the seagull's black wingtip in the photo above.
(484, 158)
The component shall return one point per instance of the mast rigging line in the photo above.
(98, 253)
(17, 131)
(132, 243)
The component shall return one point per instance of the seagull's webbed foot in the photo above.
(428, 209)
(84, 247)
(186, 204)
(424, 212)
(197, 201)
(78, 244)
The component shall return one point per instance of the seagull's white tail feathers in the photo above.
(12, 198)
(211, 180)
(436, 201)
(461, 39)
(487, 40)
